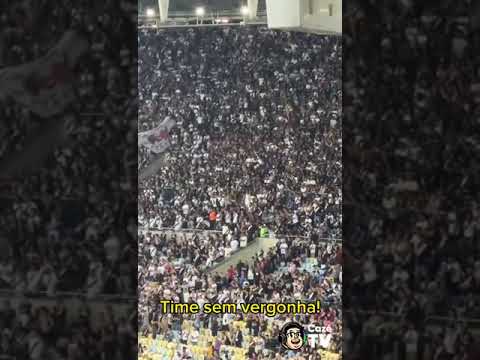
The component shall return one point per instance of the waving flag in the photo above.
(157, 140)
(45, 86)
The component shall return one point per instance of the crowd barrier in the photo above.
(322, 239)
(278, 236)
(184, 19)
(222, 264)
(191, 14)
(173, 230)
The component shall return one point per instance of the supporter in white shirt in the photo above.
(234, 244)
(312, 250)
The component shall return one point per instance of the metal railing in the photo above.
(184, 18)
(277, 236)
(322, 239)
(168, 229)
(180, 26)
(192, 15)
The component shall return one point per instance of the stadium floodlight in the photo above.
(150, 12)
(200, 11)
(244, 10)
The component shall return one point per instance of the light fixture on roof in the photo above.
(244, 10)
(200, 11)
(150, 12)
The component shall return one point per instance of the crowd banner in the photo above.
(157, 140)
(45, 86)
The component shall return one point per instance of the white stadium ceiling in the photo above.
(318, 16)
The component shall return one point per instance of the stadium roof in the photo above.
(184, 13)
(317, 16)
(190, 5)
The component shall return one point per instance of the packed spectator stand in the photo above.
(255, 151)
(411, 168)
(258, 135)
(57, 238)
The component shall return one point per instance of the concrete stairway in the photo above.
(245, 254)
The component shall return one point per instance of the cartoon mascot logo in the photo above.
(292, 336)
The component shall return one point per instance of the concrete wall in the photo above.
(284, 13)
(245, 255)
(305, 15)
(321, 20)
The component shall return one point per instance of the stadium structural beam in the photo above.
(252, 9)
(163, 9)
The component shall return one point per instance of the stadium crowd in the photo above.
(297, 269)
(62, 215)
(33, 330)
(58, 217)
(257, 139)
(255, 151)
(412, 176)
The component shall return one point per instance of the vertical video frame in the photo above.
(240, 187)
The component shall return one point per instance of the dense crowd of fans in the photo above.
(65, 213)
(33, 330)
(255, 151)
(297, 269)
(409, 124)
(256, 144)
(58, 220)
(257, 139)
